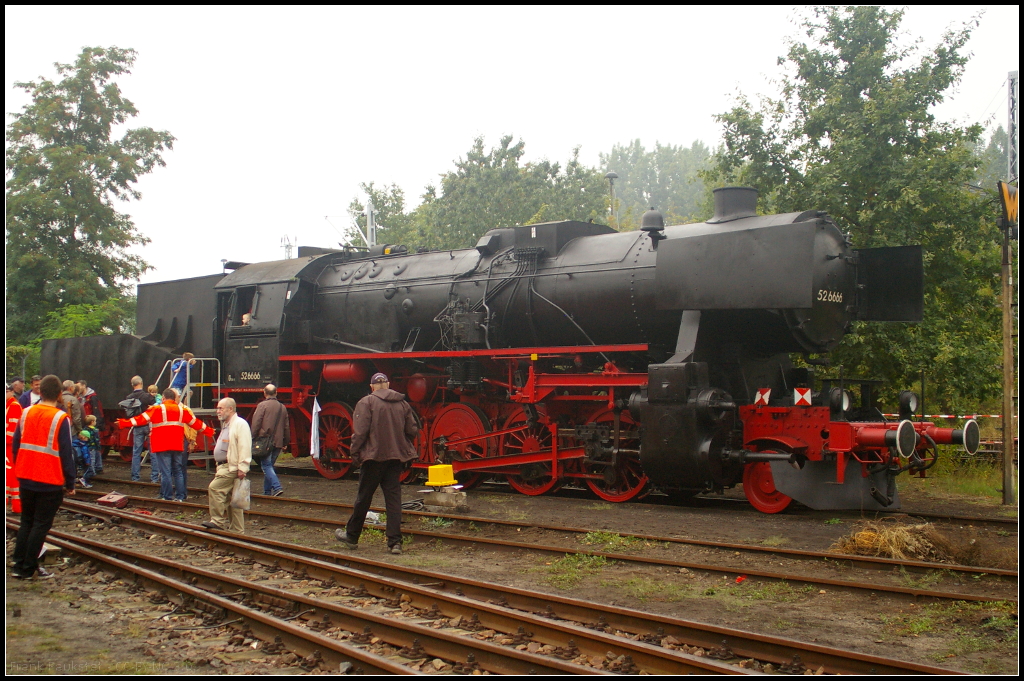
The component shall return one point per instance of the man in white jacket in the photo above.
(233, 454)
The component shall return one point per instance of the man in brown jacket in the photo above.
(271, 420)
(384, 427)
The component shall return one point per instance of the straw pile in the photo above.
(925, 542)
(902, 542)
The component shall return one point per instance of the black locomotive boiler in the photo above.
(567, 352)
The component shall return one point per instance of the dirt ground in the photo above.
(968, 637)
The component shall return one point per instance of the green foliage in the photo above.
(992, 160)
(666, 177)
(114, 315)
(66, 243)
(15, 354)
(852, 133)
(488, 189)
(394, 225)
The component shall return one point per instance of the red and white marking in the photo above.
(763, 395)
(802, 397)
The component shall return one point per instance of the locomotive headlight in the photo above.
(839, 400)
(909, 402)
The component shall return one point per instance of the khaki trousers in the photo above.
(221, 512)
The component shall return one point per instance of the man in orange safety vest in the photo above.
(167, 439)
(44, 463)
(12, 414)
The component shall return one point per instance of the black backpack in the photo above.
(132, 406)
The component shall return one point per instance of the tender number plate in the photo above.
(830, 296)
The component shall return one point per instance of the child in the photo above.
(152, 390)
(87, 447)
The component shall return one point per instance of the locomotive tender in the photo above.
(567, 351)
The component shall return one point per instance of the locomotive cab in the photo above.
(263, 311)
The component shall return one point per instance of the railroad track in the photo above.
(762, 553)
(741, 505)
(557, 625)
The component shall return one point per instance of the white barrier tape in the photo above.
(953, 416)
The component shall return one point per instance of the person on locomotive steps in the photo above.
(167, 422)
(44, 463)
(271, 420)
(384, 427)
(140, 434)
(179, 375)
(12, 415)
(233, 454)
(31, 396)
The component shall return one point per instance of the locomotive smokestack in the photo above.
(733, 203)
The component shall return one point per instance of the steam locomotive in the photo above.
(566, 352)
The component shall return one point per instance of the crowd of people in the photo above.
(53, 444)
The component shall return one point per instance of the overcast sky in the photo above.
(280, 113)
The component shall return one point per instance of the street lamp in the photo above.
(611, 177)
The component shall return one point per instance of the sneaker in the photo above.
(85, 484)
(278, 493)
(342, 536)
(210, 525)
(43, 573)
(20, 575)
(396, 550)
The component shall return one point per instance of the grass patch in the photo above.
(964, 477)
(568, 572)
(783, 625)
(834, 521)
(777, 592)
(599, 506)
(775, 540)
(23, 631)
(610, 540)
(372, 534)
(439, 522)
(648, 589)
(995, 625)
(135, 630)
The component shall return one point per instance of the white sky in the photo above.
(280, 113)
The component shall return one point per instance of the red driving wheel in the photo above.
(458, 421)
(759, 486)
(335, 430)
(533, 479)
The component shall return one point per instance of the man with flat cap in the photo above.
(384, 427)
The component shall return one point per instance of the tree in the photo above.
(992, 160)
(490, 189)
(852, 132)
(394, 225)
(666, 177)
(66, 242)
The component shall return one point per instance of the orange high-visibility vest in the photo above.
(12, 415)
(39, 453)
(168, 421)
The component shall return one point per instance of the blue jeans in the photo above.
(270, 482)
(162, 464)
(179, 474)
(140, 435)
